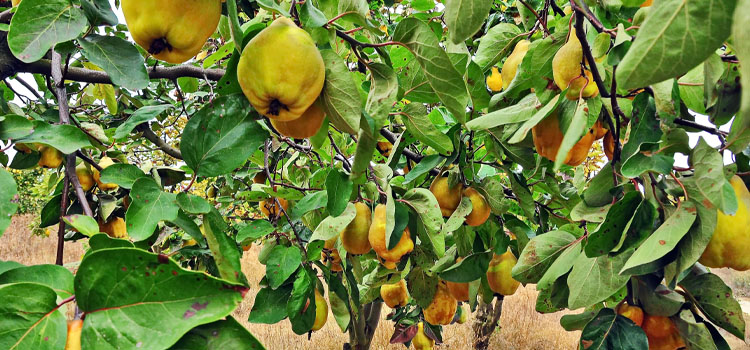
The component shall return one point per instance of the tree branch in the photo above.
(581, 34)
(151, 136)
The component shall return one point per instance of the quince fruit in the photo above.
(334, 257)
(495, 80)
(173, 31)
(448, 197)
(355, 236)
(384, 148)
(464, 315)
(480, 209)
(281, 71)
(104, 163)
(634, 313)
(421, 341)
(442, 308)
(731, 242)
(25, 148)
(548, 137)
(460, 291)
(609, 145)
(395, 295)
(566, 70)
(513, 61)
(662, 333)
(377, 235)
(303, 127)
(321, 311)
(270, 208)
(85, 177)
(51, 158)
(73, 341)
(260, 178)
(114, 227)
(499, 274)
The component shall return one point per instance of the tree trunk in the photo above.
(363, 326)
(486, 322)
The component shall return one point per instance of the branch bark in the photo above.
(151, 136)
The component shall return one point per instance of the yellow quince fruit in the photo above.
(513, 61)
(173, 31)
(321, 311)
(395, 295)
(50, 157)
(730, 243)
(389, 257)
(495, 80)
(281, 71)
(499, 274)
(448, 197)
(442, 308)
(480, 209)
(85, 177)
(303, 127)
(566, 70)
(355, 236)
(104, 163)
(114, 228)
(421, 341)
(548, 136)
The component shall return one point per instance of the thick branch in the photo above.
(151, 136)
(581, 34)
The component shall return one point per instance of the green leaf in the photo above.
(421, 286)
(576, 129)
(221, 136)
(470, 269)
(609, 330)
(562, 265)
(340, 96)
(272, 6)
(103, 241)
(9, 265)
(310, 202)
(692, 246)
(739, 134)
(696, 334)
(224, 334)
(301, 305)
(99, 12)
(14, 127)
(83, 223)
(539, 254)
(424, 166)
(496, 44)
(124, 175)
(339, 189)
(714, 298)
(601, 272)
(53, 276)
(522, 111)
(311, 17)
(30, 320)
(66, 138)
(38, 25)
(458, 218)
(119, 58)
(193, 204)
(332, 225)
(419, 124)
(710, 180)
(8, 199)
(254, 229)
(133, 298)
(281, 264)
(223, 249)
(539, 115)
(140, 116)
(676, 36)
(610, 232)
(664, 239)
(270, 305)
(442, 76)
(465, 17)
(149, 206)
(426, 206)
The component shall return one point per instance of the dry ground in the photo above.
(522, 327)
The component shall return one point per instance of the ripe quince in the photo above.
(114, 227)
(355, 236)
(85, 177)
(442, 308)
(51, 158)
(566, 70)
(104, 163)
(395, 295)
(270, 208)
(662, 333)
(730, 243)
(421, 341)
(634, 313)
(460, 291)
(513, 61)
(480, 209)
(172, 30)
(73, 341)
(281, 71)
(548, 136)
(377, 235)
(303, 127)
(384, 148)
(321, 311)
(448, 197)
(495, 80)
(499, 274)
(335, 258)
(464, 315)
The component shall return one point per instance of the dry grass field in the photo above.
(521, 326)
